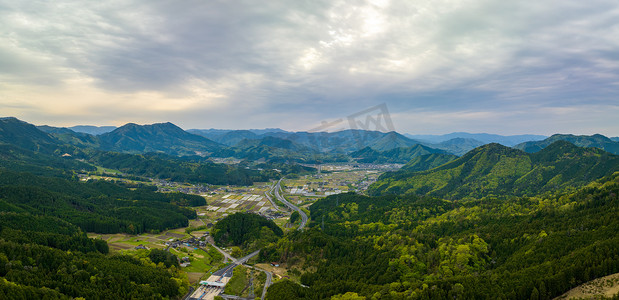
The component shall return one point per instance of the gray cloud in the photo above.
(323, 59)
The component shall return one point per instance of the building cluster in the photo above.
(191, 242)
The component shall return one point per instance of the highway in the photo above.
(227, 271)
(276, 190)
(267, 194)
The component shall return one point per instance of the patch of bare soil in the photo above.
(607, 286)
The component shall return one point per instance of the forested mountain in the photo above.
(344, 141)
(427, 162)
(24, 135)
(166, 167)
(276, 144)
(64, 152)
(70, 137)
(45, 210)
(493, 170)
(411, 247)
(162, 137)
(43, 257)
(21, 160)
(596, 140)
(97, 206)
(396, 155)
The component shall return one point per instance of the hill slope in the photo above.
(161, 137)
(428, 161)
(411, 247)
(24, 135)
(494, 169)
(396, 155)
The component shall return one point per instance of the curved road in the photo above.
(290, 205)
(267, 194)
(275, 189)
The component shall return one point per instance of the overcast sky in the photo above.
(506, 67)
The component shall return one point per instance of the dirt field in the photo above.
(194, 277)
(606, 286)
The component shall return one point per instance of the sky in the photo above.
(433, 67)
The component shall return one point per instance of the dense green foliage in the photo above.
(495, 170)
(176, 169)
(17, 159)
(76, 274)
(294, 217)
(395, 155)
(48, 258)
(410, 247)
(248, 230)
(427, 162)
(164, 257)
(26, 136)
(47, 231)
(96, 206)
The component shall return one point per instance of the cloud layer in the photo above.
(475, 65)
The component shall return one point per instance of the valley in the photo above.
(388, 219)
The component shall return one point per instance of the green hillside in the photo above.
(411, 247)
(395, 155)
(24, 135)
(44, 257)
(493, 170)
(427, 162)
(162, 137)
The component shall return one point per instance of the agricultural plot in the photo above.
(343, 180)
(305, 190)
(246, 200)
(236, 202)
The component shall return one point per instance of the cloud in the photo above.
(319, 59)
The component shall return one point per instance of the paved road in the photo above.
(268, 195)
(268, 281)
(226, 255)
(290, 205)
(227, 271)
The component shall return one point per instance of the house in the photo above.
(274, 264)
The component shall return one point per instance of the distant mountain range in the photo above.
(484, 138)
(272, 144)
(94, 130)
(596, 140)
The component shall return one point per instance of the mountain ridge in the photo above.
(494, 169)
